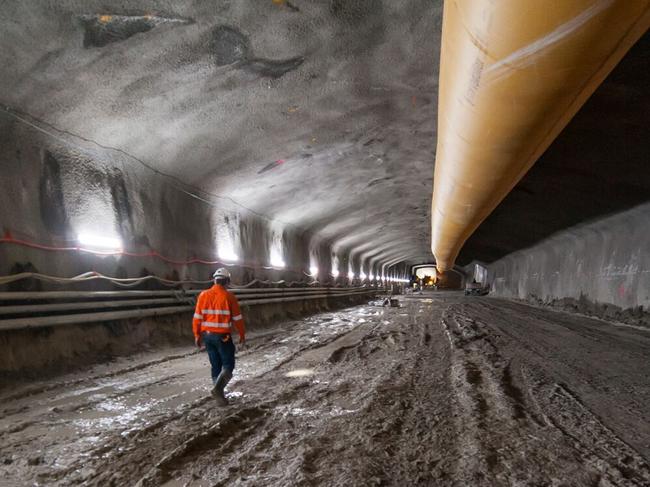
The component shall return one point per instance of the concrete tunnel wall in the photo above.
(55, 191)
(600, 268)
(305, 115)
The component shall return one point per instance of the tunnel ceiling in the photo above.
(319, 116)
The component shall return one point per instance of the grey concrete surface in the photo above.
(309, 122)
(601, 268)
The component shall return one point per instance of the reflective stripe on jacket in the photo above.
(216, 311)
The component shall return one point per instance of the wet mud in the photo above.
(446, 390)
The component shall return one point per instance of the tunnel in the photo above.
(325, 242)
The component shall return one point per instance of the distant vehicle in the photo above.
(475, 289)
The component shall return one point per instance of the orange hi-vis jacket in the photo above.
(216, 311)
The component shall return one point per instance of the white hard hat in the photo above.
(221, 272)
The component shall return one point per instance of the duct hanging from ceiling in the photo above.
(512, 75)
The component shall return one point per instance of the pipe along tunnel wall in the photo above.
(38, 352)
(600, 268)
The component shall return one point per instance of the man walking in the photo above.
(216, 311)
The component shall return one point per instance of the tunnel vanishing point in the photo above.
(435, 215)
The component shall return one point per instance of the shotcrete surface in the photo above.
(317, 117)
(445, 390)
(311, 117)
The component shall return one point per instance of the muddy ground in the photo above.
(446, 390)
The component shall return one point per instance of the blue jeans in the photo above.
(221, 353)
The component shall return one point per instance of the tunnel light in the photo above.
(99, 242)
(335, 273)
(371, 277)
(362, 276)
(350, 275)
(225, 236)
(277, 261)
(228, 255)
(313, 270)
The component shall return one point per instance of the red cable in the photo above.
(25, 243)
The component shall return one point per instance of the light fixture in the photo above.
(350, 275)
(228, 255)
(362, 276)
(277, 257)
(225, 241)
(335, 272)
(100, 242)
(277, 261)
(313, 270)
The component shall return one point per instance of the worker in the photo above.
(217, 310)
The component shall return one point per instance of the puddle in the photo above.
(299, 373)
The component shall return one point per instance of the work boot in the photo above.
(220, 385)
(219, 396)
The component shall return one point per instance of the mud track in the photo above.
(446, 390)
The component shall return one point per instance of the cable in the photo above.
(153, 253)
(93, 275)
(177, 183)
(130, 281)
(121, 282)
(22, 116)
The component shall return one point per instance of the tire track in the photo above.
(503, 401)
(148, 438)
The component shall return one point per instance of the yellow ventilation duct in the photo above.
(512, 75)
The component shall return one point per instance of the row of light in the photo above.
(104, 243)
(313, 271)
